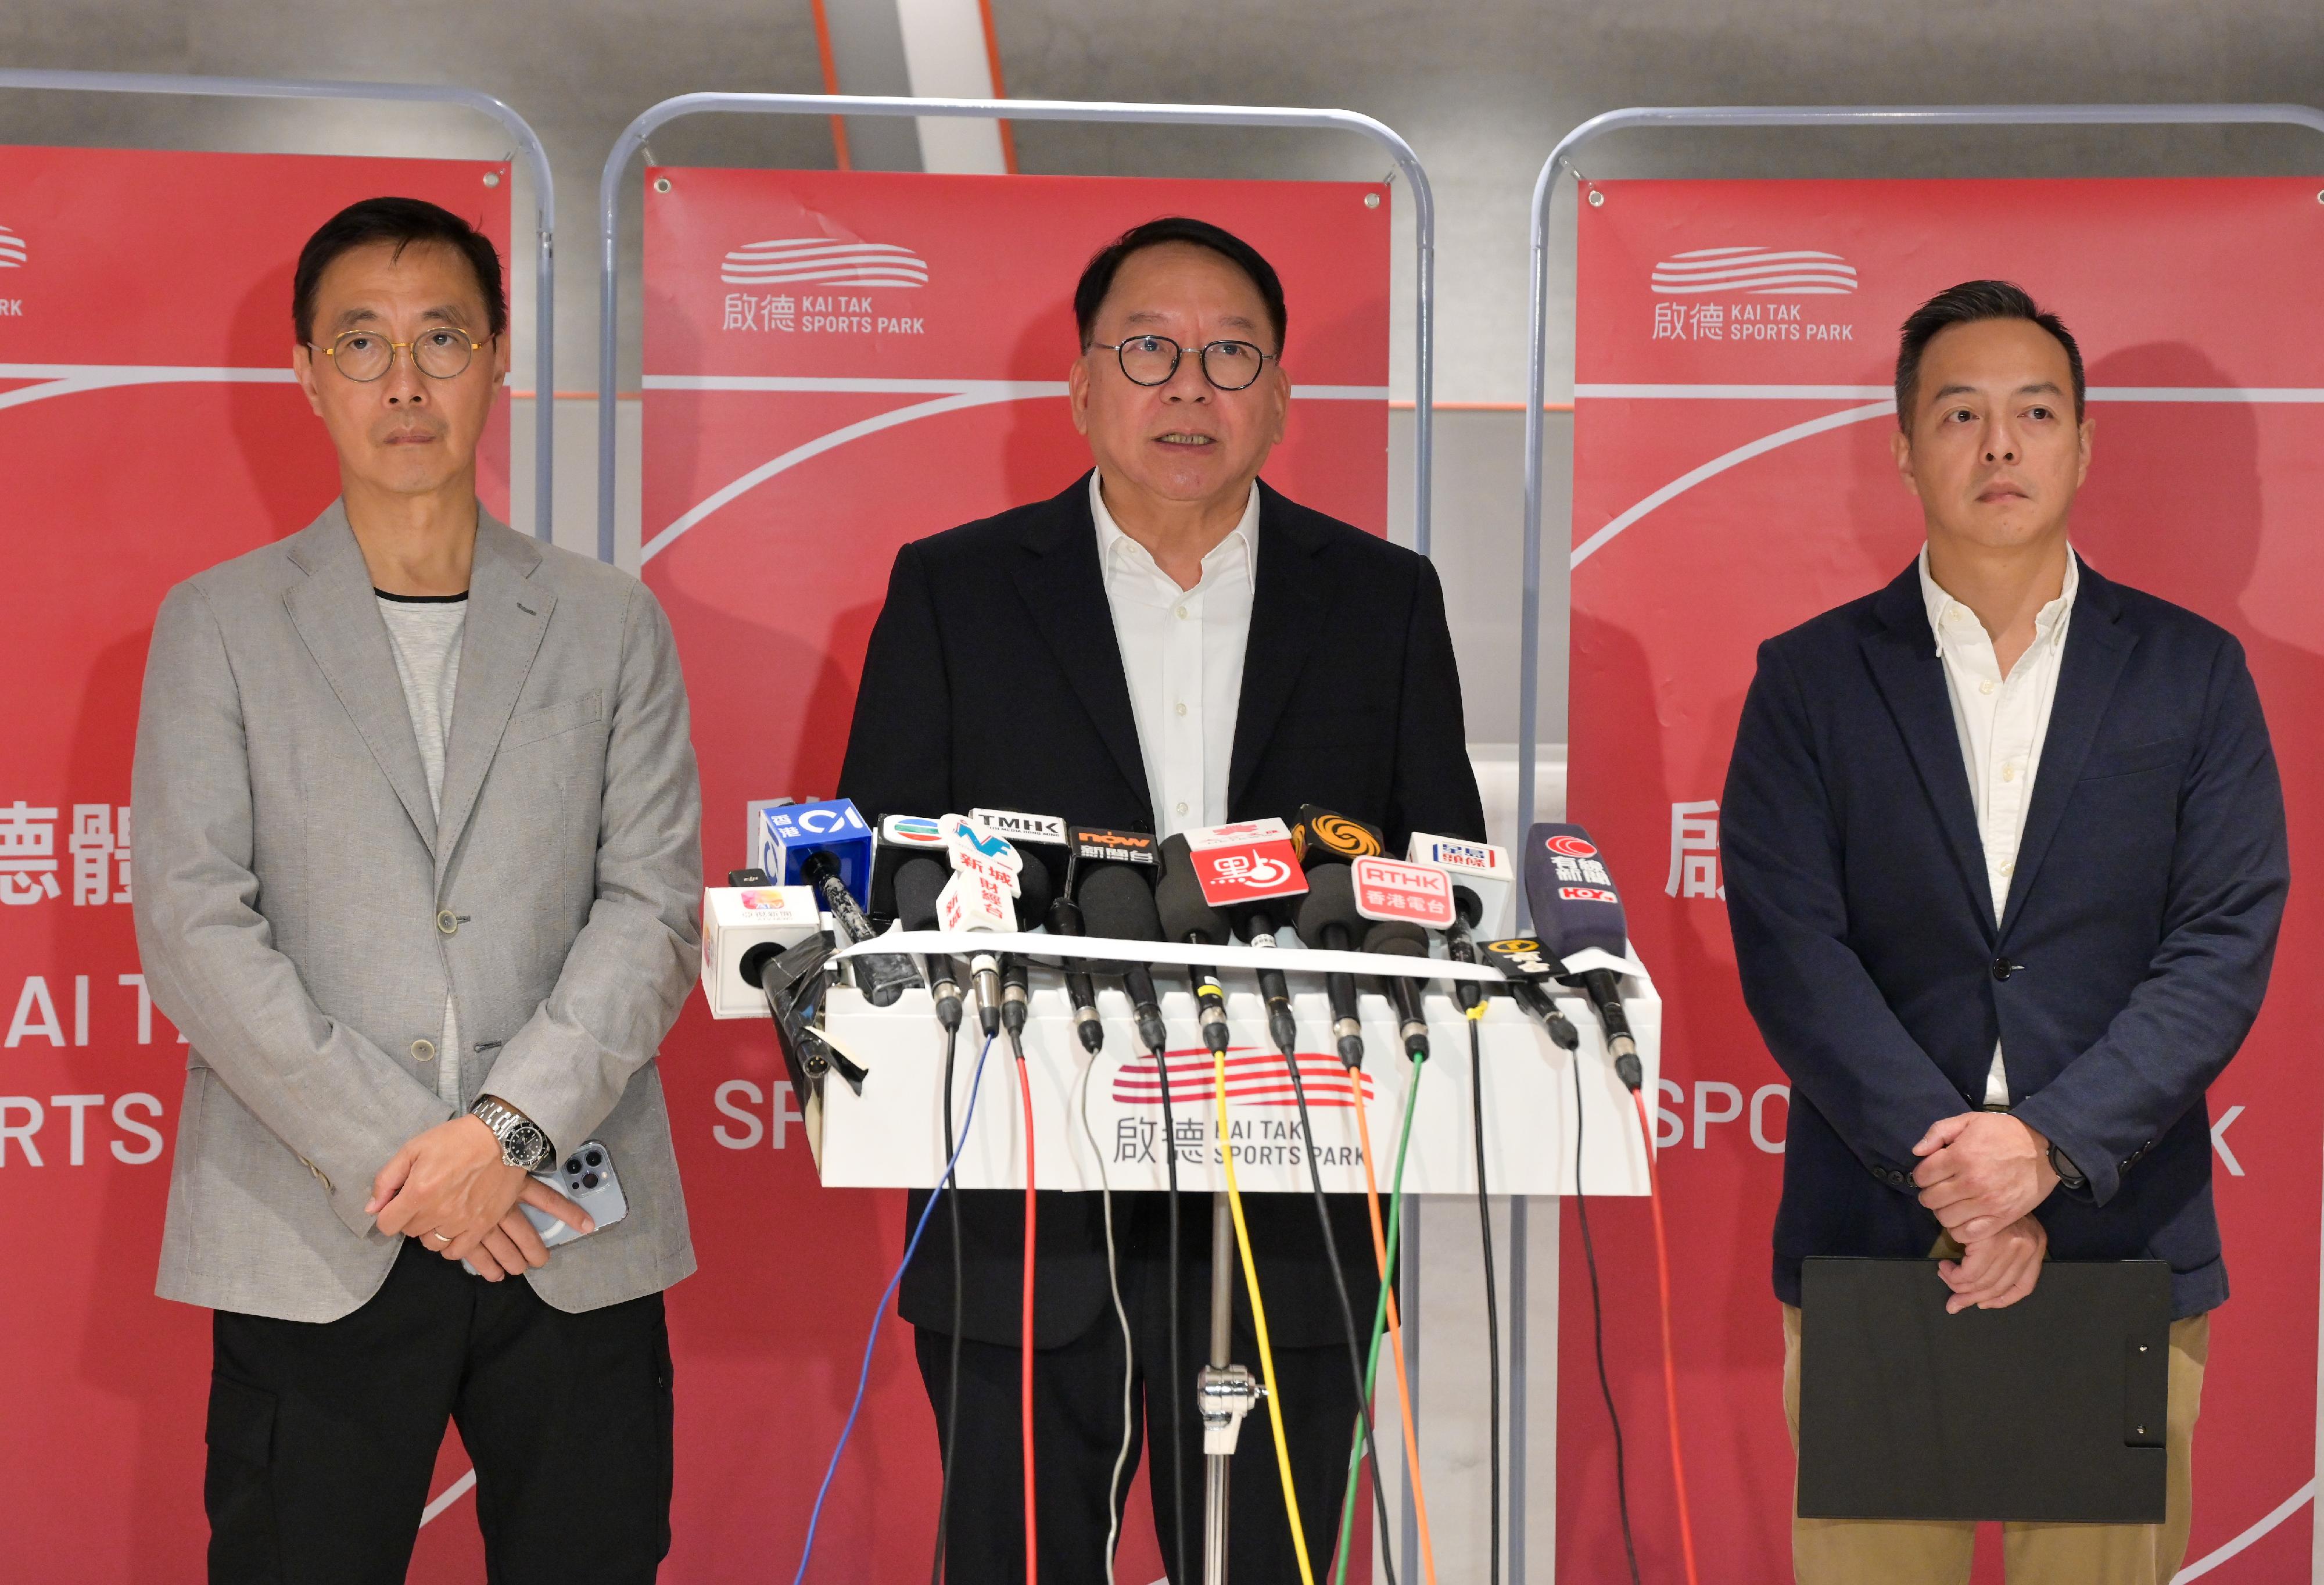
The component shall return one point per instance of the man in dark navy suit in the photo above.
(1167, 644)
(2006, 861)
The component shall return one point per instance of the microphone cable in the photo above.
(1597, 1331)
(1284, 1028)
(1492, 1306)
(1367, 1439)
(1384, 1314)
(880, 1313)
(1115, 1495)
(1025, 1322)
(1175, 1281)
(1670, 1362)
(1257, 1306)
(959, 1319)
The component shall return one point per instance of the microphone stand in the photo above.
(1225, 1391)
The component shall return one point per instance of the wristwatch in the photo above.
(522, 1144)
(2071, 1175)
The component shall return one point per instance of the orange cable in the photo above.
(1395, 1328)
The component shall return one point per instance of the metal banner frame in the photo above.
(1545, 193)
(536, 161)
(633, 137)
(632, 140)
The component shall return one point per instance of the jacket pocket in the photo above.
(552, 719)
(2131, 762)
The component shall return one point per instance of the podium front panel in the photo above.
(1100, 1122)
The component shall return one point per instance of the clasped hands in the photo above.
(449, 1188)
(1983, 1173)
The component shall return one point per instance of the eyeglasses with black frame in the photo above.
(1151, 359)
(442, 352)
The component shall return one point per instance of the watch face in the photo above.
(524, 1144)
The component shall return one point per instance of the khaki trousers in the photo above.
(1910, 1551)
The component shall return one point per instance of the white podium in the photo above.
(1099, 1123)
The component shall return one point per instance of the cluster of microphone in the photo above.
(1323, 875)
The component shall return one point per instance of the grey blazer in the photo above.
(302, 911)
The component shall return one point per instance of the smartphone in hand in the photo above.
(586, 1178)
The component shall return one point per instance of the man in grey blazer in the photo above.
(419, 870)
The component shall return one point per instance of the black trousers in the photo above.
(322, 1437)
(1077, 1432)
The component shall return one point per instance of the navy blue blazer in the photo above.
(2130, 957)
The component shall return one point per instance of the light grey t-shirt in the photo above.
(424, 630)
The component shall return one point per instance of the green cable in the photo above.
(1380, 1316)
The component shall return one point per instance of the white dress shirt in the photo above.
(1181, 652)
(2003, 722)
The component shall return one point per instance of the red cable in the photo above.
(830, 82)
(1025, 1333)
(1670, 1364)
(1000, 91)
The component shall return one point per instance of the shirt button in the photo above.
(448, 923)
(2009, 773)
(1182, 808)
(2010, 866)
(1985, 687)
(1182, 709)
(1182, 613)
(423, 1051)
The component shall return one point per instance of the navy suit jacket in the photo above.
(993, 679)
(2133, 950)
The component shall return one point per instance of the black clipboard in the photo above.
(2051, 1411)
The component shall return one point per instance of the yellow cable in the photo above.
(1394, 1327)
(1258, 1323)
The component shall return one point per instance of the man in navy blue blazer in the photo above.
(2006, 861)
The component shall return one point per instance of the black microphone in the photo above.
(1327, 918)
(1578, 913)
(916, 883)
(1257, 924)
(1530, 973)
(881, 976)
(1401, 938)
(780, 973)
(1032, 902)
(1461, 947)
(1187, 916)
(1066, 919)
(1117, 902)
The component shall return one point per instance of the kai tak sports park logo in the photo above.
(1707, 280)
(819, 286)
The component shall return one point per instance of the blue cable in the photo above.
(880, 1313)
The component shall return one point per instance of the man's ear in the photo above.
(2089, 427)
(1077, 389)
(1900, 447)
(302, 365)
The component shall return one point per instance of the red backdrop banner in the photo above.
(1732, 478)
(149, 428)
(837, 364)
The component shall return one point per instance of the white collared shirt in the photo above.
(2003, 722)
(1181, 652)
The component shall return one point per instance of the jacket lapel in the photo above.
(337, 618)
(1903, 656)
(507, 617)
(2096, 646)
(1288, 606)
(1065, 590)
